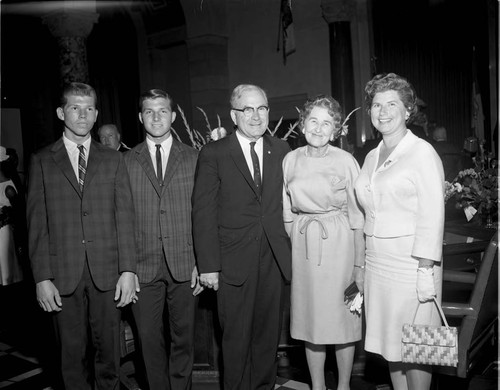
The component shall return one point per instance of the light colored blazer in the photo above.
(163, 214)
(405, 196)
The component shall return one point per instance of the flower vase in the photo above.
(485, 219)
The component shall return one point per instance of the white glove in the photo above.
(357, 303)
(425, 284)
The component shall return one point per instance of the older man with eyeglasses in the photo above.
(243, 251)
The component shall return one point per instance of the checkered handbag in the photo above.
(428, 344)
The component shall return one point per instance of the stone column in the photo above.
(207, 44)
(350, 44)
(338, 14)
(71, 27)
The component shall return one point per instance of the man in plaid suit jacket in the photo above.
(161, 171)
(80, 241)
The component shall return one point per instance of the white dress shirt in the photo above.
(245, 146)
(74, 152)
(166, 145)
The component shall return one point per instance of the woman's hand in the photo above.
(425, 284)
(359, 277)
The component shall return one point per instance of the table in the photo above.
(463, 244)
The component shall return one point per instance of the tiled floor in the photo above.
(27, 360)
(19, 371)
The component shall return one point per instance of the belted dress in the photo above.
(319, 200)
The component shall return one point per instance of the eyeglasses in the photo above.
(249, 111)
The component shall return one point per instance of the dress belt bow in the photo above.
(324, 235)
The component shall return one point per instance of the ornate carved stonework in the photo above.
(71, 28)
(70, 23)
(338, 10)
(73, 59)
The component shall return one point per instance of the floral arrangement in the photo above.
(213, 134)
(344, 127)
(475, 190)
(198, 140)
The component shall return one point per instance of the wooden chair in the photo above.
(477, 316)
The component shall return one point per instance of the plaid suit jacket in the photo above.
(67, 226)
(163, 214)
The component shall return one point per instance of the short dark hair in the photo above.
(391, 82)
(324, 101)
(155, 93)
(78, 89)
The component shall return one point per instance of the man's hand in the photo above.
(195, 282)
(126, 289)
(48, 296)
(135, 297)
(210, 280)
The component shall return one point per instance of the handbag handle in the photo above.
(441, 313)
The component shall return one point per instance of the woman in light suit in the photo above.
(401, 189)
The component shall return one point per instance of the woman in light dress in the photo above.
(401, 189)
(325, 226)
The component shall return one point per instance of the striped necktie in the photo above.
(82, 166)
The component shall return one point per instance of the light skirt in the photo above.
(391, 296)
(322, 268)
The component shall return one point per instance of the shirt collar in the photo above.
(71, 145)
(245, 141)
(166, 144)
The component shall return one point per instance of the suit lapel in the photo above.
(144, 160)
(270, 162)
(62, 160)
(173, 161)
(240, 162)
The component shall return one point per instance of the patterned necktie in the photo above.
(256, 168)
(82, 166)
(159, 171)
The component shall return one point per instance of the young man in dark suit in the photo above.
(161, 171)
(242, 248)
(80, 218)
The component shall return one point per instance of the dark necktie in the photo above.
(159, 171)
(256, 168)
(82, 166)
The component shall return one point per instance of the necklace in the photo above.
(306, 152)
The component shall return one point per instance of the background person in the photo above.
(161, 171)
(242, 249)
(401, 188)
(325, 226)
(11, 270)
(82, 257)
(110, 136)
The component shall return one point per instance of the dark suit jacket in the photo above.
(163, 214)
(66, 226)
(228, 215)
